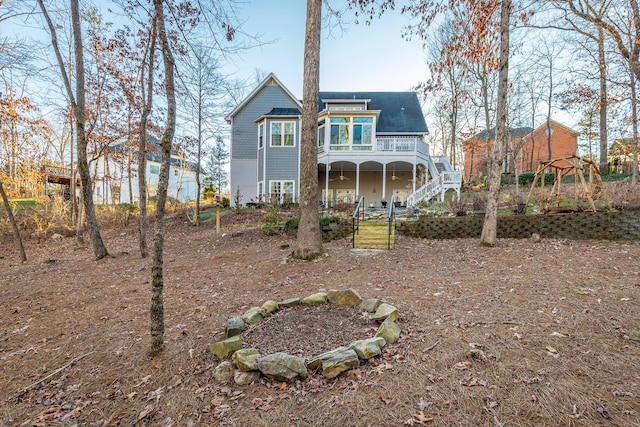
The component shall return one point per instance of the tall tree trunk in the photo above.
(196, 214)
(78, 104)
(604, 166)
(157, 281)
(99, 250)
(12, 220)
(147, 99)
(634, 115)
(309, 241)
(489, 227)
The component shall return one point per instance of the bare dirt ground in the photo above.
(557, 320)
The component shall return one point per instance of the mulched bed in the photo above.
(307, 331)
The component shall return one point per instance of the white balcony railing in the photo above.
(397, 143)
(383, 144)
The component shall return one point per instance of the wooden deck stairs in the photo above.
(375, 235)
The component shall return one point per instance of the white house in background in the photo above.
(370, 144)
(115, 174)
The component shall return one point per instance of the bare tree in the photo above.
(489, 226)
(309, 241)
(78, 105)
(203, 87)
(12, 220)
(146, 95)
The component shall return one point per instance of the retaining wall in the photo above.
(576, 226)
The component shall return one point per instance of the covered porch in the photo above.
(343, 181)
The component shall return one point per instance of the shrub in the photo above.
(291, 226)
(272, 222)
(507, 180)
(458, 206)
(326, 220)
(526, 178)
(479, 203)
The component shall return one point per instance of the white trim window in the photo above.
(351, 134)
(362, 133)
(283, 134)
(260, 191)
(321, 134)
(281, 192)
(261, 135)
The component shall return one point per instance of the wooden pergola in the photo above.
(566, 166)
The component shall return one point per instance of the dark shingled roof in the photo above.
(400, 112)
(515, 133)
(283, 112)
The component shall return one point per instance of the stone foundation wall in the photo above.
(576, 226)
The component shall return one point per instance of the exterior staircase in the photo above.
(444, 178)
(374, 235)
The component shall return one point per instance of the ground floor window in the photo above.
(346, 195)
(260, 191)
(281, 192)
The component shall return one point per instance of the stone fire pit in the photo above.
(246, 365)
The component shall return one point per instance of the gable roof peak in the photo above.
(270, 80)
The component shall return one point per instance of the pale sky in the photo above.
(362, 58)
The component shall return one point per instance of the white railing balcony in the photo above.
(382, 144)
(397, 143)
(451, 178)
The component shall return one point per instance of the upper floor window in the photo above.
(260, 135)
(351, 133)
(283, 134)
(321, 130)
(340, 132)
(362, 132)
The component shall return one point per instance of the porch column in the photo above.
(326, 184)
(358, 181)
(415, 178)
(384, 181)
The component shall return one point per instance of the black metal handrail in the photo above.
(356, 219)
(390, 216)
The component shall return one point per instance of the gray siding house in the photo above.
(370, 144)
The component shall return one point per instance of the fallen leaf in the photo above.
(422, 419)
(461, 366)
(557, 335)
(386, 400)
(602, 411)
(146, 412)
(143, 381)
(619, 393)
(424, 404)
(477, 355)
(382, 367)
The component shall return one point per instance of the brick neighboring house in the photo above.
(529, 146)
